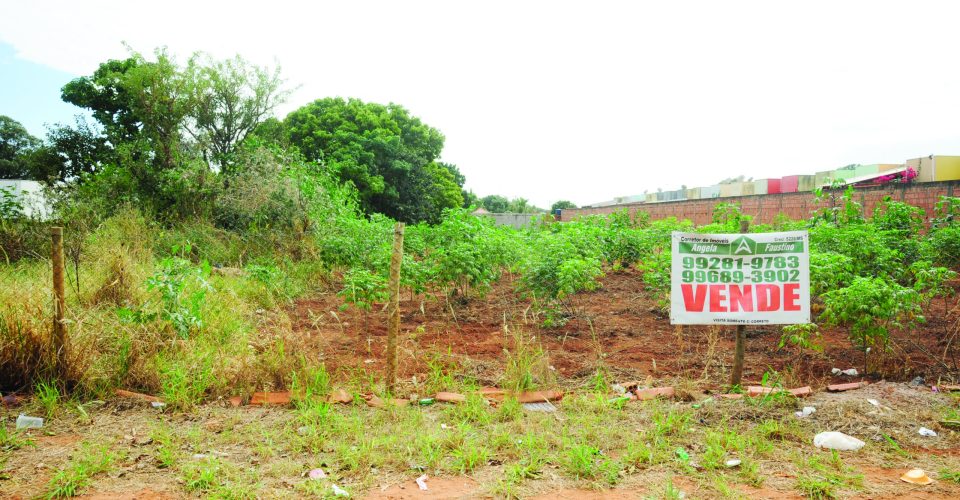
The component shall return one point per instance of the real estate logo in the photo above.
(743, 246)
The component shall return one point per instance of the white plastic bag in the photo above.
(837, 441)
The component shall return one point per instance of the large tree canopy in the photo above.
(16, 145)
(387, 154)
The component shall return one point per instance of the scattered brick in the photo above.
(236, 401)
(378, 402)
(655, 392)
(756, 390)
(949, 387)
(731, 396)
(339, 396)
(136, 395)
(539, 396)
(847, 387)
(492, 393)
(450, 397)
(801, 392)
(270, 398)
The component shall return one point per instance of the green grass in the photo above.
(12, 439)
(48, 395)
(88, 461)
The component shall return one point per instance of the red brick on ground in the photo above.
(450, 397)
(270, 398)
(655, 392)
(539, 396)
(846, 387)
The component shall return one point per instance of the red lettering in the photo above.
(718, 298)
(791, 294)
(768, 297)
(741, 297)
(694, 302)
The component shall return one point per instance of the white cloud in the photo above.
(583, 101)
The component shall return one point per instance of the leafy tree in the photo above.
(386, 153)
(523, 206)
(229, 99)
(105, 93)
(470, 199)
(562, 205)
(16, 144)
(495, 203)
(70, 152)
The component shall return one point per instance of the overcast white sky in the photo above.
(576, 100)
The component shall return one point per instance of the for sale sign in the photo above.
(740, 279)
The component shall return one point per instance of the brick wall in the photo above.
(794, 205)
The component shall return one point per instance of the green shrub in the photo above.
(871, 307)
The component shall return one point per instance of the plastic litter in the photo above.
(917, 382)
(837, 441)
(732, 463)
(926, 432)
(806, 412)
(916, 476)
(874, 402)
(426, 401)
(422, 482)
(617, 401)
(157, 404)
(546, 406)
(338, 491)
(25, 422)
(619, 389)
(850, 372)
(317, 474)
(682, 454)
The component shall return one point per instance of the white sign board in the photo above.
(740, 279)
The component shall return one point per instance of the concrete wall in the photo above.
(794, 205)
(946, 168)
(30, 195)
(924, 168)
(522, 220)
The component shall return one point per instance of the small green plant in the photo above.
(362, 288)
(12, 440)
(946, 212)
(803, 336)
(202, 475)
(527, 365)
(87, 462)
(49, 397)
(932, 282)
(310, 384)
(950, 475)
(871, 307)
(587, 462)
(183, 288)
(825, 480)
(469, 456)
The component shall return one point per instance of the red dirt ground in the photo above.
(633, 339)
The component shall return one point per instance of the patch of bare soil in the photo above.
(437, 487)
(618, 324)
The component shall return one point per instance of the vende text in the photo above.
(736, 298)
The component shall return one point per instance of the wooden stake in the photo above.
(394, 326)
(737, 376)
(59, 340)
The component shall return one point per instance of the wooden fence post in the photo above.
(394, 325)
(737, 376)
(59, 340)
